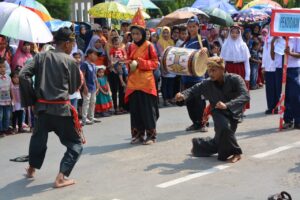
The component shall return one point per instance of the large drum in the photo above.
(182, 61)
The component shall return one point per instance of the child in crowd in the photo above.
(76, 96)
(254, 64)
(103, 100)
(18, 111)
(127, 40)
(5, 99)
(88, 69)
(215, 48)
(183, 35)
(118, 57)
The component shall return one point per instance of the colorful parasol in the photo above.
(22, 24)
(34, 6)
(250, 15)
(111, 10)
(259, 2)
(267, 8)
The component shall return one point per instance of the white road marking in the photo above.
(222, 167)
(277, 150)
(192, 176)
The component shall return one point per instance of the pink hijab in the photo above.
(20, 57)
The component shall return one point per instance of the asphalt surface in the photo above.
(110, 168)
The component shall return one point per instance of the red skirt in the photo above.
(238, 68)
(103, 107)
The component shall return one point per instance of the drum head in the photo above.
(200, 64)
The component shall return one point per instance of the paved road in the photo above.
(110, 168)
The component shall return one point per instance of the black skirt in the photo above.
(143, 110)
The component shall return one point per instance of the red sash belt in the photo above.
(77, 124)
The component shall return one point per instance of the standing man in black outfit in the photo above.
(56, 76)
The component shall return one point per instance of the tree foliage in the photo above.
(59, 9)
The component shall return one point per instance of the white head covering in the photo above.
(235, 50)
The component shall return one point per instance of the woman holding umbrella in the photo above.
(141, 94)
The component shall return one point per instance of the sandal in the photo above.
(20, 159)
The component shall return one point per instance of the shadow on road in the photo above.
(190, 164)
(255, 115)
(20, 188)
(255, 133)
(96, 150)
(295, 169)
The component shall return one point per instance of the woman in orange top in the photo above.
(141, 94)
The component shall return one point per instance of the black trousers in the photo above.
(64, 129)
(144, 113)
(195, 107)
(224, 142)
(17, 116)
(117, 90)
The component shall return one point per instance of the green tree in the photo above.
(59, 9)
(169, 6)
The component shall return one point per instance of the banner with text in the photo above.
(285, 22)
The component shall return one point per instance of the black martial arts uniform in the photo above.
(233, 93)
(56, 75)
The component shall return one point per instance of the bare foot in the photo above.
(61, 181)
(30, 172)
(235, 158)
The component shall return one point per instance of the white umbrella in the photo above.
(21, 23)
(193, 10)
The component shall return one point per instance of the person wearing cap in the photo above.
(141, 93)
(56, 76)
(195, 107)
(227, 94)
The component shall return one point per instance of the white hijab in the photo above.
(235, 50)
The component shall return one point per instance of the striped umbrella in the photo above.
(21, 23)
(34, 6)
(259, 2)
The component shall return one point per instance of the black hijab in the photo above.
(143, 32)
